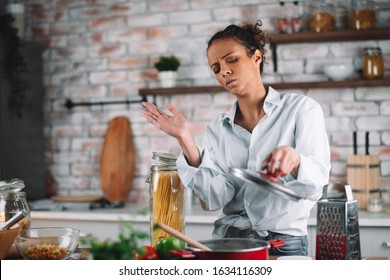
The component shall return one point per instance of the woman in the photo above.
(283, 134)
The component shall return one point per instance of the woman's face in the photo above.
(232, 67)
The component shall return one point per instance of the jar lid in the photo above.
(164, 158)
(11, 186)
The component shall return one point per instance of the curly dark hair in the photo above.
(248, 34)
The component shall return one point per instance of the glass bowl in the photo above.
(47, 243)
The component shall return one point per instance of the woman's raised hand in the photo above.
(174, 125)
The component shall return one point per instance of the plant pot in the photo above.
(167, 78)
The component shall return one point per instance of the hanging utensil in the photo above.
(181, 236)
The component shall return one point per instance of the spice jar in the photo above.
(373, 63)
(13, 200)
(374, 205)
(362, 15)
(166, 196)
(321, 17)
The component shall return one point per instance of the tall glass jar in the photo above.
(166, 196)
(373, 63)
(13, 200)
(362, 15)
(321, 17)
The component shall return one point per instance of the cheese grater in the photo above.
(337, 224)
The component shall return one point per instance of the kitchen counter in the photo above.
(104, 224)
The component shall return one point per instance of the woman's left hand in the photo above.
(281, 161)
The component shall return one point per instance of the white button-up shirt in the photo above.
(290, 119)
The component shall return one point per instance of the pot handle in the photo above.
(275, 243)
(184, 254)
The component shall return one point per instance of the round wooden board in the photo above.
(117, 163)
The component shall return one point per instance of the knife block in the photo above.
(363, 176)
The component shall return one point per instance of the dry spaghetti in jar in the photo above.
(166, 196)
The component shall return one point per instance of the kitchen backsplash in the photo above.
(104, 50)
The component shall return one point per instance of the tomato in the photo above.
(147, 253)
(165, 245)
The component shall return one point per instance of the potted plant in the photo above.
(167, 70)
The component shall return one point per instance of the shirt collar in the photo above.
(272, 100)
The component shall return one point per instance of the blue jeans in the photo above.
(294, 245)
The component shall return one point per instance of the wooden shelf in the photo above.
(296, 85)
(332, 36)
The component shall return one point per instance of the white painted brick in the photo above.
(90, 64)
(69, 53)
(71, 78)
(208, 28)
(385, 108)
(127, 35)
(148, 47)
(81, 169)
(190, 17)
(108, 77)
(291, 67)
(339, 168)
(202, 4)
(385, 168)
(233, 13)
(148, 20)
(354, 109)
(338, 124)
(385, 137)
(61, 169)
(373, 93)
(373, 123)
(299, 51)
(168, 6)
(331, 95)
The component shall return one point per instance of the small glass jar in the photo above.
(12, 201)
(166, 196)
(321, 17)
(375, 205)
(373, 63)
(362, 15)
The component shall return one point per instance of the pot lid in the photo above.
(11, 186)
(264, 181)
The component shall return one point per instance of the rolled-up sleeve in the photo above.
(208, 181)
(312, 144)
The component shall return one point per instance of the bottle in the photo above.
(13, 200)
(373, 63)
(362, 15)
(374, 205)
(166, 196)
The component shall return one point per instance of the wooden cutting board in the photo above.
(117, 163)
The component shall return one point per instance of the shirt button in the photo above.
(248, 204)
(251, 236)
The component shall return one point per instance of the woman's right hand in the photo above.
(174, 125)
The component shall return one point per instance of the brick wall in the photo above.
(104, 50)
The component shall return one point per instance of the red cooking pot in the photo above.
(231, 249)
